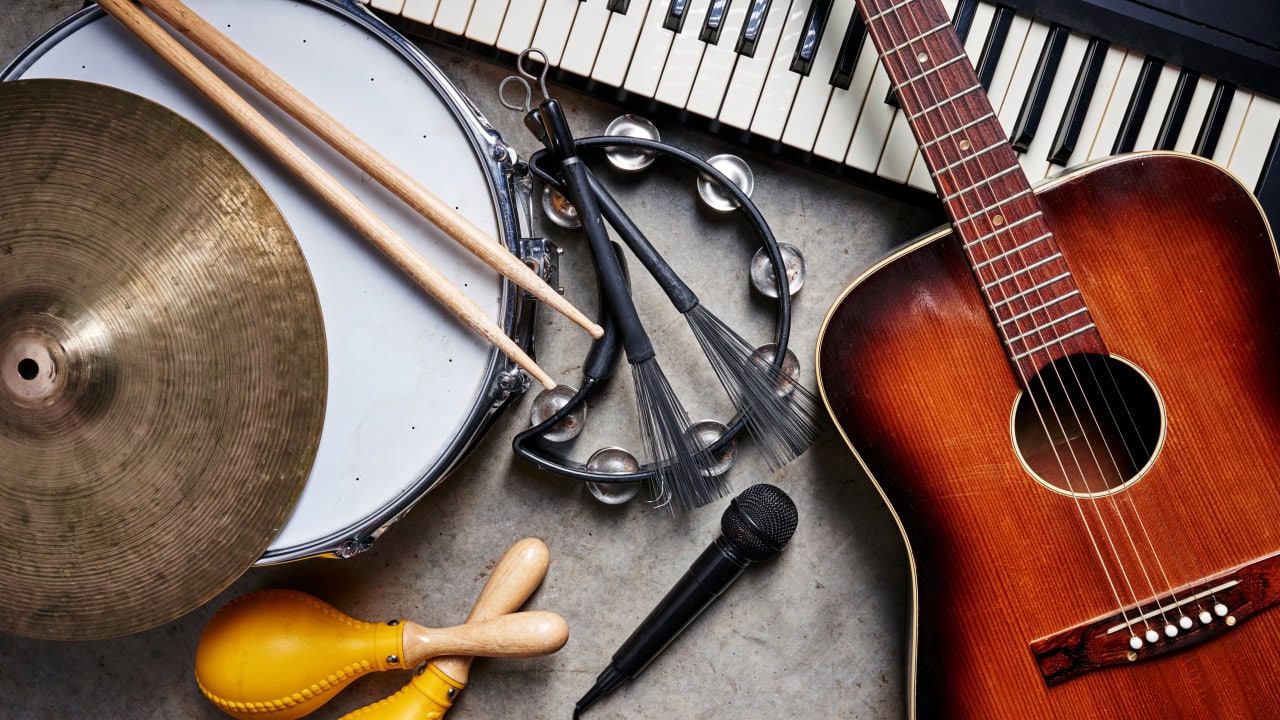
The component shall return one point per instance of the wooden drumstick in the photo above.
(301, 108)
(286, 653)
(431, 693)
(330, 190)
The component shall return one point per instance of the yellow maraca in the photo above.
(281, 654)
(430, 694)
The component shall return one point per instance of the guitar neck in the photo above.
(1034, 301)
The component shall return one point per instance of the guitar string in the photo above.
(911, 39)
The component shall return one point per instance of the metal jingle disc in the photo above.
(162, 363)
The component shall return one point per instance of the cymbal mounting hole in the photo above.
(28, 369)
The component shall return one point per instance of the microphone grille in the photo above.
(760, 521)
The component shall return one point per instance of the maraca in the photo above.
(430, 694)
(284, 653)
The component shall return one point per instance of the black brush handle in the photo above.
(603, 355)
(681, 296)
(634, 339)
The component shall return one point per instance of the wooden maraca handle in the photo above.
(514, 579)
(525, 634)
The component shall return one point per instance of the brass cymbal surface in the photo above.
(162, 363)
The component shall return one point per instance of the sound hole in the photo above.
(28, 368)
(1090, 425)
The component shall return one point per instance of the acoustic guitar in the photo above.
(1069, 400)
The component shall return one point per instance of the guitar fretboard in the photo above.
(1034, 301)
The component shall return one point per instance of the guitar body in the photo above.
(1179, 270)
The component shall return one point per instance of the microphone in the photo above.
(756, 526)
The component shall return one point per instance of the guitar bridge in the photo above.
(1186, 617)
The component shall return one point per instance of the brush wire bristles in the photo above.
(783, 416)
(683, 475)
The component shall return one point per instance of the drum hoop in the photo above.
(510, 198)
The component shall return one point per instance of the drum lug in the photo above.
(350, 548)
(508, 383)
(543, 256)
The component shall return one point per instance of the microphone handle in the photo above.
(714, 571)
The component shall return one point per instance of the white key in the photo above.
(452, 16)
(684, 59)
(486, 21)
(423, 11)
(780, 83)
(717, 64)
(518, 25)
(873, 124)
(651, 52)
(1196, 110)
(585, 38)
(391, 6)
(620, 44)
(750, 72)
(1231, 127)
(846, 106)
(1158, 108)
(1036, 160)
(815, 89)
(1113, 116)
(1255, 139)
(553, 28)
(1020, 81)
(1102, 97)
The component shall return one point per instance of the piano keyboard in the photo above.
(798, 76)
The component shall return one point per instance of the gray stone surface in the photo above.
(818, 633)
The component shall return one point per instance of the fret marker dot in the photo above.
(965, 145)
(998, 220)
(923, 57)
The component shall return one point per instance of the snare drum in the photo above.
(410, 387)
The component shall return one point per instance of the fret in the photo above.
(1055, 341)
(1023, 270)
(989, 208)
(888, 10)
(1047, 325)
(931, 71)
(953, 98)
(1034, 288)
(946, 168)
(985, 181)
(1004, 228)
(1016, 249)
(913, 41)
(1041, 306)
(958, 130)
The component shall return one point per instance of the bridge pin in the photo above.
(1205, 617)
(1135, 642)
(1185, 622)
(1152, 636)
(1220, 610)
(1171, 630)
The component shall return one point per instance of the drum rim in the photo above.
(498, 162)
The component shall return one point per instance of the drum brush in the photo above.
(284, 653)
(431, 692)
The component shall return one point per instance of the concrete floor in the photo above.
(819, 633)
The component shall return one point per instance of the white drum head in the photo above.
(407, 380)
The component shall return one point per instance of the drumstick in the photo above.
(301, 108)
(330, 190)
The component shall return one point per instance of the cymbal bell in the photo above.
(162, 363)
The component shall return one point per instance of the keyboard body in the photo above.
(1072, 81)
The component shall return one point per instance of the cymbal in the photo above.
(162, 363)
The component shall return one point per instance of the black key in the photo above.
(810, 34)
(1171, 128)
(963, 19)
(619, 6)
(1064, 143)
(753, 28)
(1148, 76)
(714, 23)
(1211, 130)
(1024, 131)
(991, 49)
(677, 13)
(1268, 188)
(854, 37)
(960, 23)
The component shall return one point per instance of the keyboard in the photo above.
(1071, 81)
